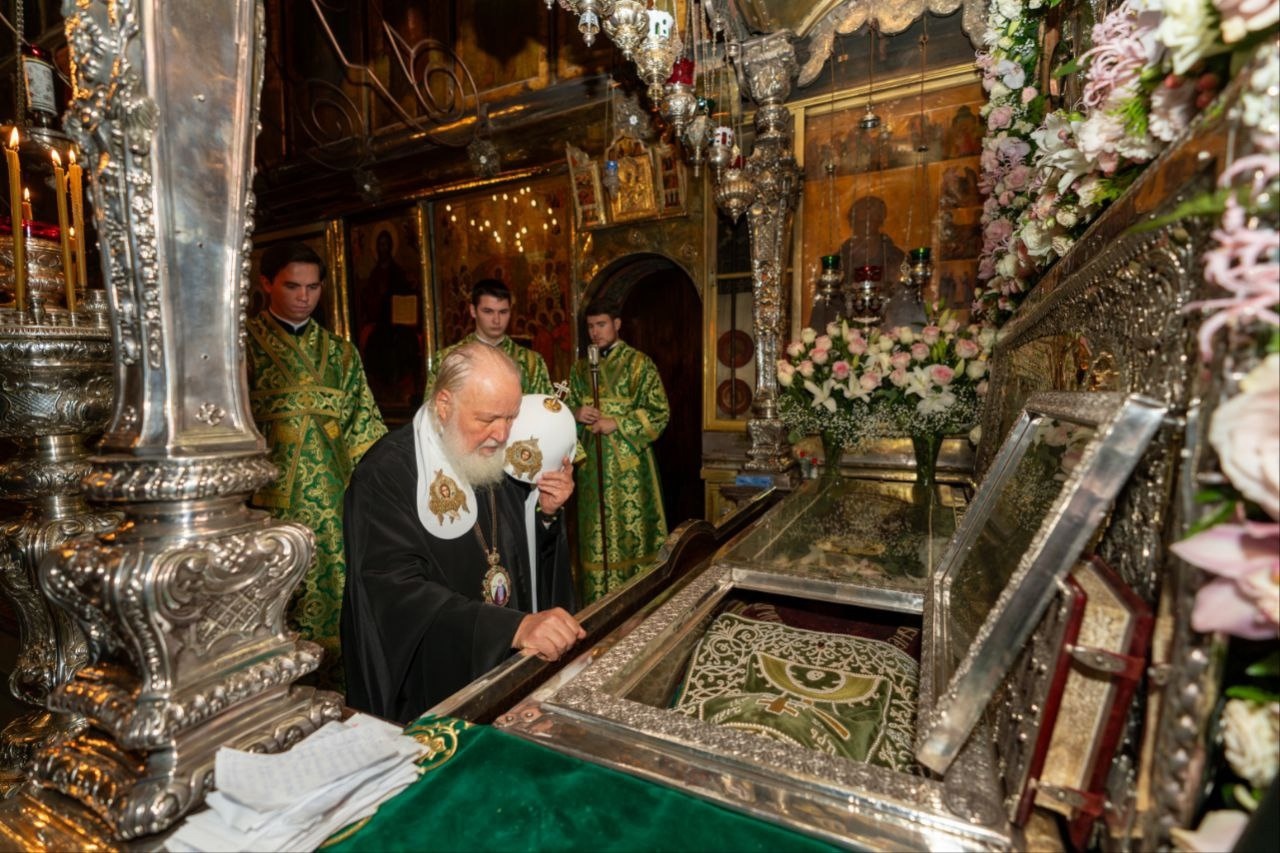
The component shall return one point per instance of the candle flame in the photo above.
(13, 138)
(57, 161)
(26, 194)
(72, 154)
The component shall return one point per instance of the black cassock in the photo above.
(415, 626)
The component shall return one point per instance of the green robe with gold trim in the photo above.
(631, 392)
(312, 403)
(534, 378)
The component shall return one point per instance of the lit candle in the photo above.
(77, 216)
(26, 205)
(60, 193)
(15, 222)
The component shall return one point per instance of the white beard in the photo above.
(470, 465)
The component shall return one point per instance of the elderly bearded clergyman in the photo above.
(444, 580)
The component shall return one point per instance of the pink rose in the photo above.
(900, 360)
(967, 349)
(795, 349)
(805, 369)
(820, 356)
(869, 381)
(982, 388)
(919, 351)
(1017, 177)
(857, 344)
(823, 342)
(941, 374)
(898, 378)
(1001, 117)
(1029, 94)
(930, 334)
(786, 373)
(840, 370)
(833, 330)
(951, 326)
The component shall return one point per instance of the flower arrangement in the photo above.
(1152, 66)
(1237, 544)
(850, 385)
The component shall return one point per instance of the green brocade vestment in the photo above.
(534, 378)
(631, 393)
(312, 403)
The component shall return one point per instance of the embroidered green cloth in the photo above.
(484, 789)
(631, 392)
(846, 696)
(312, 403)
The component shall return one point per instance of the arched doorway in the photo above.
(662, 317)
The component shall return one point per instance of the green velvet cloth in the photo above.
(483, 789)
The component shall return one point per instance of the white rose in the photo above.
(975, 435)
(833, 331)
(1251, 737)
(987, 337)
(905, 335)
(975, 369)
(786, 374)
(999, 90)
(1067, 217)
(1245, 431)
(1185, 30)
(808, 336)
(1061, 244)
(795, 349)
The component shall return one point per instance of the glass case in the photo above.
(830, 668)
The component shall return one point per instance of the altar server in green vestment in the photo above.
(313, 405)
(491, 309)
(633, 412)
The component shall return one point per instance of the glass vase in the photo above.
(926, 447)
(832, 450)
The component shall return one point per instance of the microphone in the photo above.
(593, 355)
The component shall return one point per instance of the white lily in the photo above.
(822, 398)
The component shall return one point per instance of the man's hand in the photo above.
(548, 634)
(555, 487)
(587, 415)
(603, 426)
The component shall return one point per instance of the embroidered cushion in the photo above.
(845, 696)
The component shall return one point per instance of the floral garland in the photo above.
(1153, 65)
(1238, 545)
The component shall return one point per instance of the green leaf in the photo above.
(1218, 516)
(1274, 344)
(1205, 204)
(1210, 496)
(1250, 693)
(1267, 667)
(1071, 66)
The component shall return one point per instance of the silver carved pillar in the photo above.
(55, 389)
(183, 605)
(769, 64)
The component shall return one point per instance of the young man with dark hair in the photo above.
(313, 405)
(491, 310)
(632, 413)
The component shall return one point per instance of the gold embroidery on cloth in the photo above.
(446, 498)
(552, 404)
(525, 457)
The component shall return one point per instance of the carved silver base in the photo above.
(55, 388)
(769, 451)
(140, 792)
(183, 609)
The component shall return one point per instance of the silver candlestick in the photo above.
(55, 389)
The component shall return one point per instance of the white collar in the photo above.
(446, 502)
